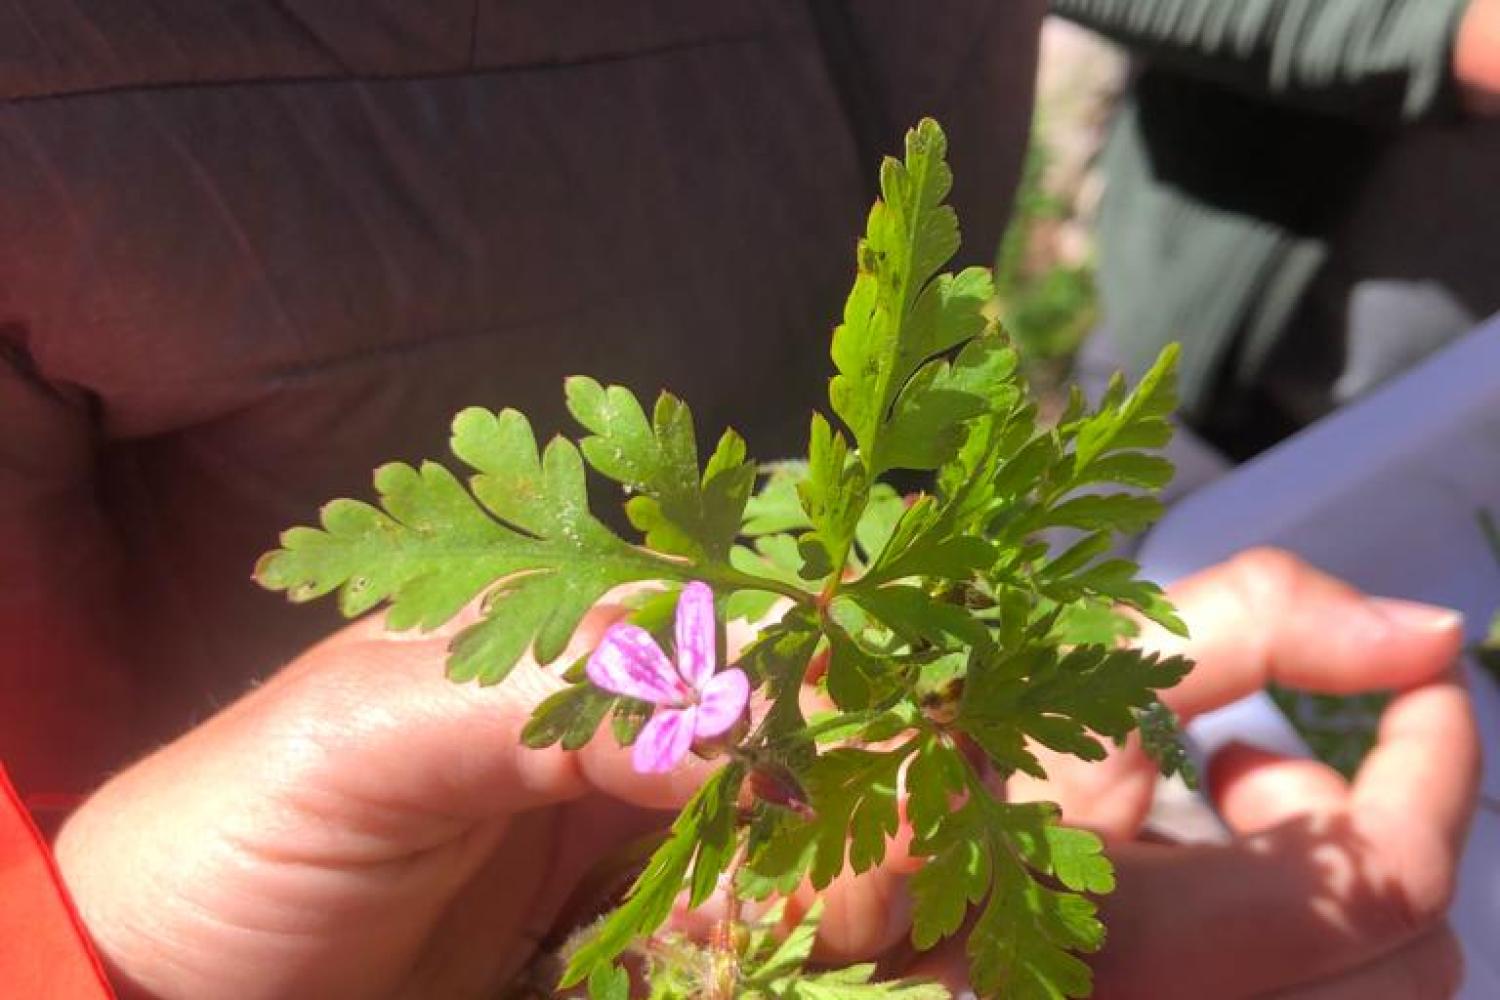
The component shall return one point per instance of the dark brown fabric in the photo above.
(249, 250)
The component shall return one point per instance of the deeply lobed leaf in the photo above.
(430, 548)
(901, 313)
(680, 510)
(1025, 939)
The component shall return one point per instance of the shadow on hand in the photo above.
(1302, 901)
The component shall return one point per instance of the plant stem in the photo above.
(722, 575)
(726, 961)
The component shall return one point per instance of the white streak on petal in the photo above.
(721, 703)
(696, 634)
(629, 662)
(664, 741)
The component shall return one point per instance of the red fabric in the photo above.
(44, 950)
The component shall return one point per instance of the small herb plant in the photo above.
(944, 639)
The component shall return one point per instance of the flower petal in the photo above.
(696, 634)
(721, 703)
(629, 662)
(663, 741)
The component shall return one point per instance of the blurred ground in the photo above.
(1045, 271)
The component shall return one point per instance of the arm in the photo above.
(1388, 59)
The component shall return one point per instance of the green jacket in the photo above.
(1247, 130)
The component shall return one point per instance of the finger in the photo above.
(376, 722)
(947, 964)
(1111, 797)
(608, 768)
(1416, 789)
(1306, 900)
(1266, 616)
(1430, 968)
(866, 915)
(1332, 878)
(1254, 789)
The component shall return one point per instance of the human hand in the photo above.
(1328, 889)
(361, 827)
(357, 826)
(1476, 57)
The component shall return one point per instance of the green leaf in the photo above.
(833, 496)
(680, 511)
(926, 542)
(1098, 687)
(794, 951)
(1162, 739)
(629, 718)
(779, 973)
(927, 424)
(935, 775)
(878, 522)
(1140, 419)
(1112, 580)
(1123, 513)
(776, 507)
(609, 982)
(856, 983)
(1022, 945)
(919, 618)
(899, 314)
(1129, 468)
(1059, 699)
(718, 833)
(779, 658)
(1073, 857)
(1089, 622)
(429, 548)
(649, 901)
(544, 495)
(857, 678)
(774, 557)
(1102, 448)
(957, 874)
(1022, 472)
(853, 794)
(570, 717)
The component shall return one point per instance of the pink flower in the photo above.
(692, 702)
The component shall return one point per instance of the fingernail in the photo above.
(1415, 616)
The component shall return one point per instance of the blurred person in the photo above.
(1302, 192)
(250, 250)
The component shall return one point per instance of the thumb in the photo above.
(370, 715)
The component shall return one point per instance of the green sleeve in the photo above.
(1387, 59)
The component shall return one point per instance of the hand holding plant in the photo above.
(359, 827)
(955, 641)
